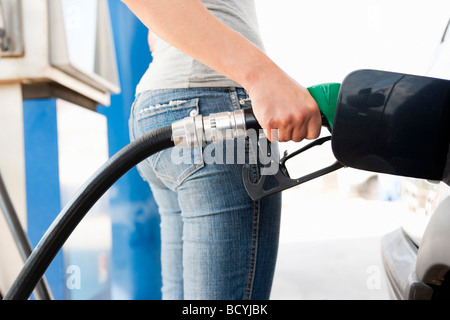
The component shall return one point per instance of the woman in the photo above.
(208, 57)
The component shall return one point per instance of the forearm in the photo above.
(277, 100)
(190, 27)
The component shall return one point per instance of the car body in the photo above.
(416, 257)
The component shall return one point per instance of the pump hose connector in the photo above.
(197, 130)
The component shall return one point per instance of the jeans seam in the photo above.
(189, 172)
(253, 251)
(253, 242)
(183, 176)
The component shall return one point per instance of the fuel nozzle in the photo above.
(326, 96)
(197, 130)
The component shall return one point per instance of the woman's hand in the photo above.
(279, 102)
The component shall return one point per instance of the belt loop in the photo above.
(234, 98)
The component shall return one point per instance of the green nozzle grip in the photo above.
(326, 96)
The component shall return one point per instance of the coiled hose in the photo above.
(80, 204)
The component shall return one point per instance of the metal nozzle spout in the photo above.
(194, 131)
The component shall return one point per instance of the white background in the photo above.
(330, 242)
(324, 40)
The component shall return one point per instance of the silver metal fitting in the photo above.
(194, 131)
(188, 132)
(224, 126)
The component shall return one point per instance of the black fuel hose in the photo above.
(80, 204)
(119, 164)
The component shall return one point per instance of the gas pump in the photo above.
(57, 64)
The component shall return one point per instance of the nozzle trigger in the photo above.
(260, 189)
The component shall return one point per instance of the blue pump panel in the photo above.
(114, 253)
(135, 233)
(42, 180)
(64, 144)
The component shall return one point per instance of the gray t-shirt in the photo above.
(173, 69)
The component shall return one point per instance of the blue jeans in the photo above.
(216, 242)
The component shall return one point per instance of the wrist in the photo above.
(259, 71)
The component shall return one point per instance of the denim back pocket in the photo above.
(175, 164)
(158, 116)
